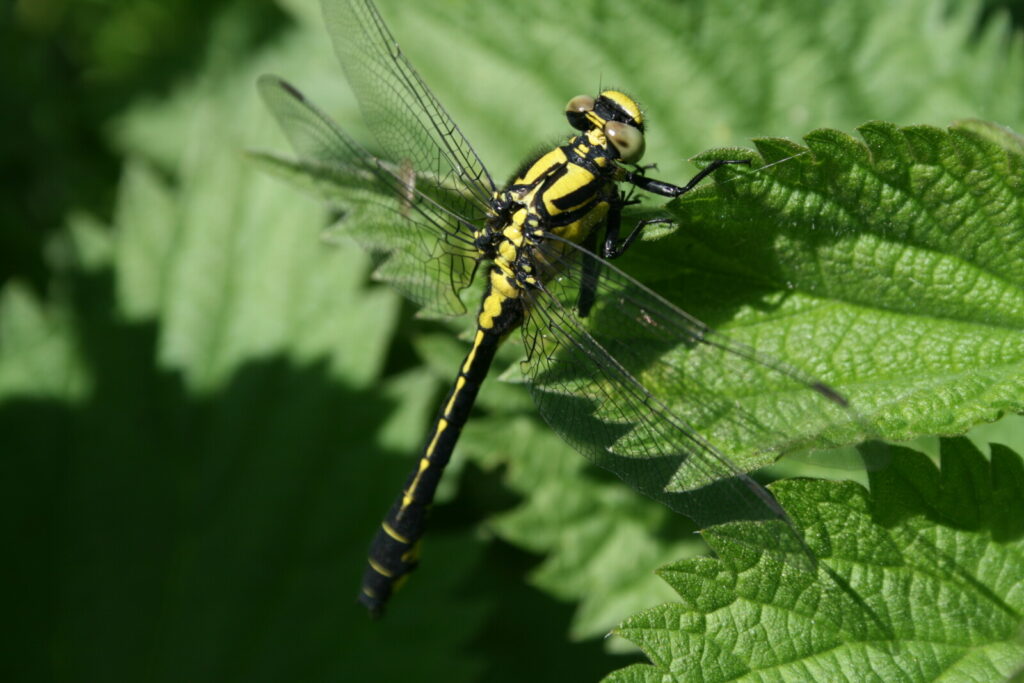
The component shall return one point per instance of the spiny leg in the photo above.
(613, 246)
(670, 190)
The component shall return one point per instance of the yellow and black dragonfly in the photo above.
(626, 377)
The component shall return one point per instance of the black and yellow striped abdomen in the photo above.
(394, 551)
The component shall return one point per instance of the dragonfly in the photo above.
(625, 376)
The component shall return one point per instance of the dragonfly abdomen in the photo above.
(394, 551)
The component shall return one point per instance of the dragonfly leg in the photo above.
(613, 246)
(591, 270)
(668, 189)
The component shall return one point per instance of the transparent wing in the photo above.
(404, 115)
(650, 393)
(412, 218)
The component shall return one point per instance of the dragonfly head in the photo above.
(617, 115)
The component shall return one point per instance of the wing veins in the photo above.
(408, 86)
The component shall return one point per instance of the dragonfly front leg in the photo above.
(638, 179)
(613, 246)
(590, 271)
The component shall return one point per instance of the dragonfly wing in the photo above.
(407, 217)
(407, 119)
(647, 391)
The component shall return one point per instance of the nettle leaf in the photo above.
(888, 268)
(230, 262)
(38, 357)
(598, 539)
(918, 580)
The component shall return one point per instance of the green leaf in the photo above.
(918, 581)
(90, 241)
(231, 264)
(889, 269)
(38, 357)
(599, 540)
(146, 220)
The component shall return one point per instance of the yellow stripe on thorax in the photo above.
(579, 230)
(575, 178)
(542, 166)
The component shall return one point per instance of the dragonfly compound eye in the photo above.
(577, 109)
(627, 140)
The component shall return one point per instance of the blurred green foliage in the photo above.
(70, 69)
(205, 410)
